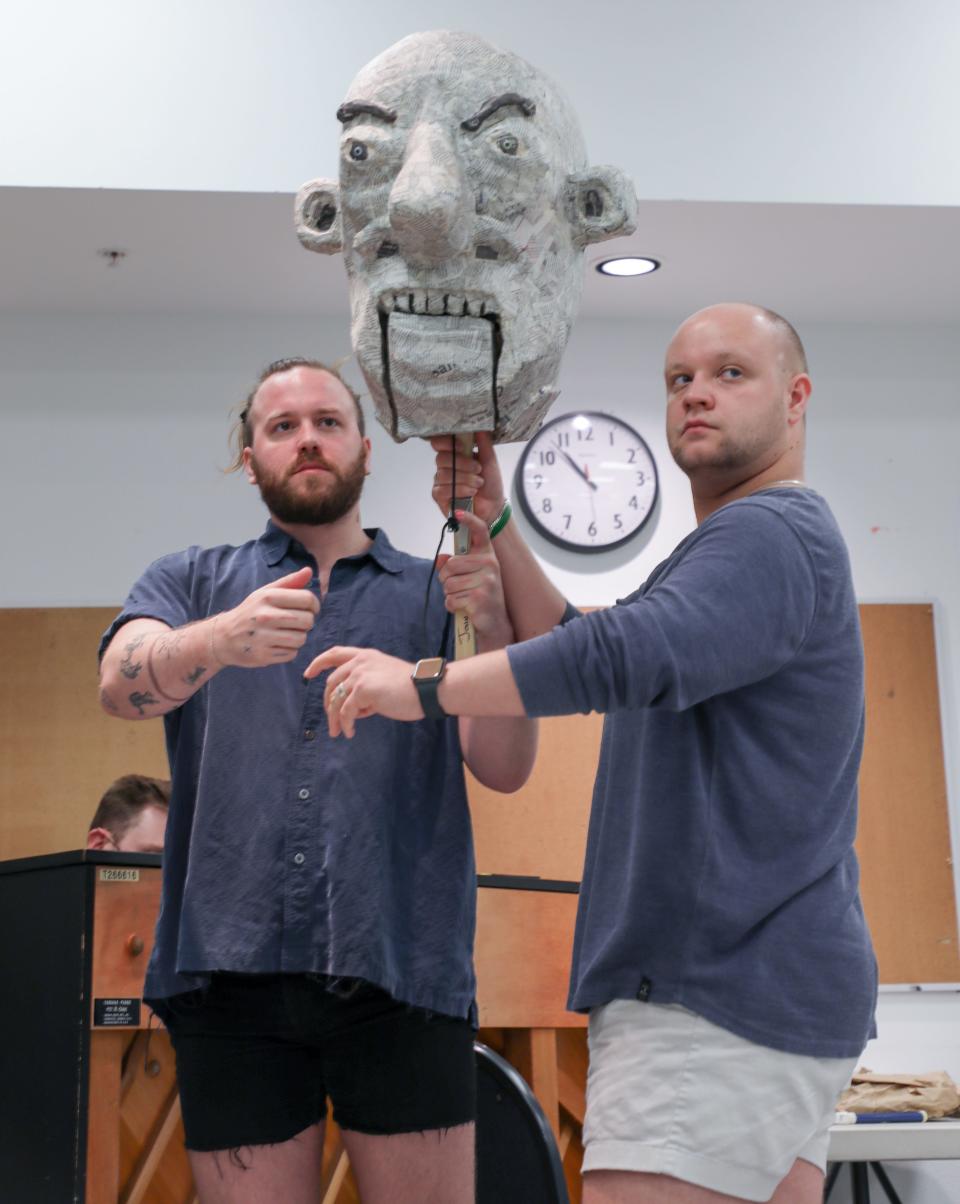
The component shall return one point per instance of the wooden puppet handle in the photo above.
(465, 639)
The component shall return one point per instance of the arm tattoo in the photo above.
(107, 701)
(141, 699)
(169, 645)
(192, 678)
(153, 677)
(128, 666)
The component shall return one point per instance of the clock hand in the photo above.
(577, 469)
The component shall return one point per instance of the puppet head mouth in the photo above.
(437, 303)
(439, 352)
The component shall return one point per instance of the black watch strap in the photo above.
(428, 698)
(427, 689)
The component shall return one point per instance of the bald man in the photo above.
(720, 948)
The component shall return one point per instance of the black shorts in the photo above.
(258, 1054)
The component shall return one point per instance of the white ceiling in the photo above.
(824, 101)
(233, 253)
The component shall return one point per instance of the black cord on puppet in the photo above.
(452, 525)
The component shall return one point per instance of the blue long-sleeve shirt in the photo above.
(720, 871)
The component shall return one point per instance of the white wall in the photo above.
(759, 100)
(114, 437)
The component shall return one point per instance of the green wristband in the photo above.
(501, 520)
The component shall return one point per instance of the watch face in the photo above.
(587, 482)
(429, 669)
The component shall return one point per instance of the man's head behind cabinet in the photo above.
(131, 817)
(463, 205)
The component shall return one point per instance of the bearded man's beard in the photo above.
(312, 499)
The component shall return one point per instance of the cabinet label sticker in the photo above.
(116, 1013)
(119, 875)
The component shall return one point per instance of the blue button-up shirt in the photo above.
(287, 851)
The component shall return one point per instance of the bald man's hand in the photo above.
(476, 477)
(472, 583)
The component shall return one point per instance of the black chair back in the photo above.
(517, 1157)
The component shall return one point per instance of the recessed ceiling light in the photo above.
(628, 265)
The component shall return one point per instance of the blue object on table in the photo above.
(889, 1118)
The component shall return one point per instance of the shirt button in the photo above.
(304, 793)
(309, 734)
(298, 859)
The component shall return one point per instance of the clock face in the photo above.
(587, 482)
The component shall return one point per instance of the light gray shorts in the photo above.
(670, 1093)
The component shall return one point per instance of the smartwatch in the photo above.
(427, 676)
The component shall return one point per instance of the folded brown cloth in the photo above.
(935, 1093)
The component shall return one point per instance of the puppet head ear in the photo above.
(317, 215)
(601, 204)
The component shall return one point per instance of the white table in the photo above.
(863, 1145)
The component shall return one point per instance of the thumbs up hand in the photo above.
(269, 626)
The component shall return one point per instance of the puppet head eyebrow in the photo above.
(353, 108)
(526, 107)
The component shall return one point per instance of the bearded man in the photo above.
(316, 926)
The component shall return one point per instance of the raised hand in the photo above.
(472, 582)
(476, 476)
(269, 626)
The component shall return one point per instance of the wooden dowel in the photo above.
(465, 640)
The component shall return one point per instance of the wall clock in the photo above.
(587, 482)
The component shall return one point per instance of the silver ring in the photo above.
(340, 693)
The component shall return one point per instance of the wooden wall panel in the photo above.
(904, 839)
(58, 751)
(541, 830)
